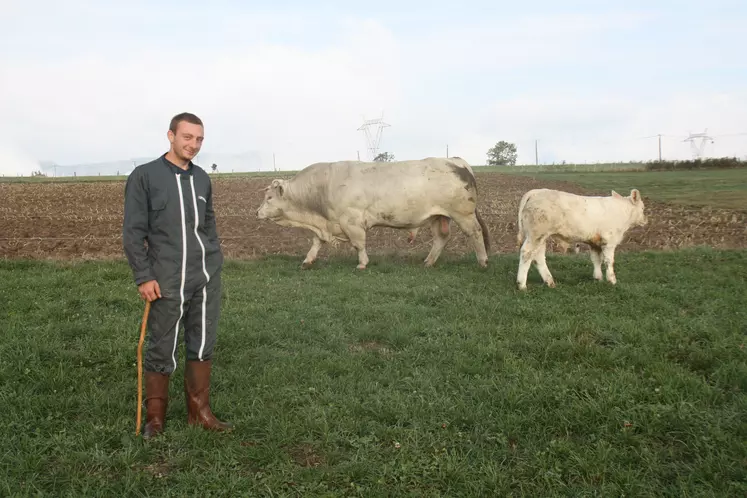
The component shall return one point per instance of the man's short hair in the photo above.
(184, 116)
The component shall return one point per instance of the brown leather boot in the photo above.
(197, 394)
(156, 400)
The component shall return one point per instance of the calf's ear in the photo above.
(616, 195)
(635, 195)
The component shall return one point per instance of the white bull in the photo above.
(600, 222)
(342, 200)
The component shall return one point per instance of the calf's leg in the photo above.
(539, 259)
(596, 259)
(609, 260)
(525, 261)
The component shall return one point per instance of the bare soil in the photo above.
(84, 220)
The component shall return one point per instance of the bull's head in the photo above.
(272, 204)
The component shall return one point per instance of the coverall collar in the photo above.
(177, 169)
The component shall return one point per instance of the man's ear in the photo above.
(635, 196)
(616, 195)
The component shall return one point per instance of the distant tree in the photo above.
(502, 154)
(215, 167)
(385, 157)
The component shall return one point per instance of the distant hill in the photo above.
(246, 161)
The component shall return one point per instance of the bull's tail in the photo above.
(485, 235)
(520, 234)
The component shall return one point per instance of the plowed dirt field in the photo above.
(83, 221)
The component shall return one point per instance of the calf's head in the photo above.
(274, 203)
(638, 217)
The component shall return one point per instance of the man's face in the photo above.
(187, 140)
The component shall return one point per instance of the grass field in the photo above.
(725, 188)
(394, 381)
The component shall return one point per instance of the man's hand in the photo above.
(150, 290)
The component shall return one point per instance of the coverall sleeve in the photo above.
(135, 227)
(210, 225)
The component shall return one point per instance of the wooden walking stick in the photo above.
(140, 367)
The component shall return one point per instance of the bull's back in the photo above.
(432, 177)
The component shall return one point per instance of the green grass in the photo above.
(726, 188)
(562, 168)
(395, 381)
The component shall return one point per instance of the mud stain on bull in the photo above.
(464, 175)
(310, 191)
(387, 217)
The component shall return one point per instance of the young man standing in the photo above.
(169, 204)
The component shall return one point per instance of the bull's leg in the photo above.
(471, 227)
(357, 236)
(526, 255)
(596, 259)
(311, 255)
(608, 252)
(539, 258)
(440, 238)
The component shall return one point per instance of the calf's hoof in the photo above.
(551, 284)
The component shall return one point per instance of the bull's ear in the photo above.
(635, 196)
(278, 185)
(616, 195)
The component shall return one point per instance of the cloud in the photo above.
(303, 104)
(94, 82)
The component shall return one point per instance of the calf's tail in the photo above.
(520, 234)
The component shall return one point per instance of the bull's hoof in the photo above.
(306, 265)
(521, 287)
(360, 267)
(551, 284)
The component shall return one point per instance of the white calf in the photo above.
(600, 222)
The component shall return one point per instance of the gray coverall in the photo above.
(172, 210)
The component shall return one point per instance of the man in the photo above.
(169, 204)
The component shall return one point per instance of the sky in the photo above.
(97, 82)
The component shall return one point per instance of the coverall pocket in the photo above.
(158, 200)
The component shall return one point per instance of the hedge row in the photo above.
(708, 163)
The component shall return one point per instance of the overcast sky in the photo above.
(91, 81)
